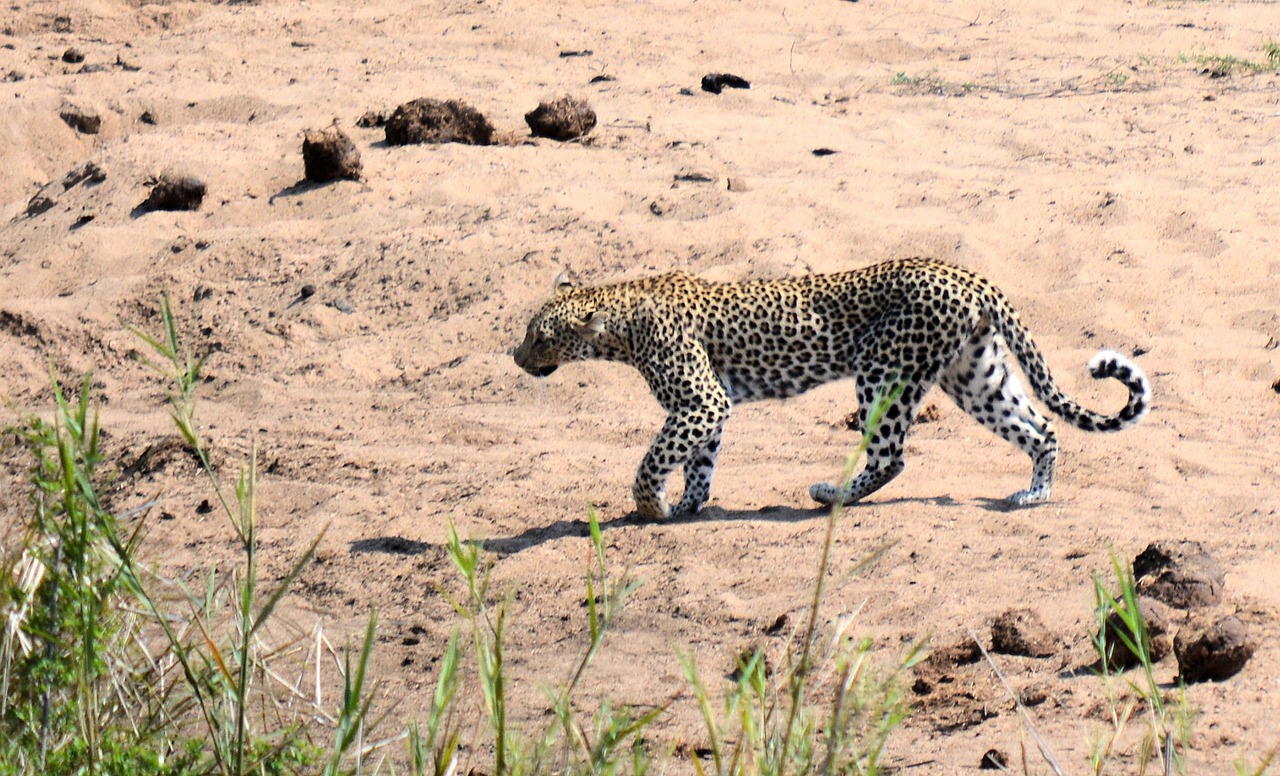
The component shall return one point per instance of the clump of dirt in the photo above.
(563, 119)
(1156, 616)
(1180, 574)
(1208, 645)
(930, 414)
(47, 198)
(86, 172)
(953, 689)
(40, 203)
(84, 121)
(432, 121)
(1212, 648)
(1022, 632)
(716, 82)
(372, 119)
(994, 760)
(329, 155)
(174, 193)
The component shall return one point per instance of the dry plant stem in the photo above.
(1029, 723)
(1242, 767)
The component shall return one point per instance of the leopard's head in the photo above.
(568, 328)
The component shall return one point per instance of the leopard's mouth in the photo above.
(543, 371)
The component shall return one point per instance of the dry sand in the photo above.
(1081, 155)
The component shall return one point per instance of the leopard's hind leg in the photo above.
(897, 360)
(887, 440)
(983, 383)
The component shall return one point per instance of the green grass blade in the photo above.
(283, 587)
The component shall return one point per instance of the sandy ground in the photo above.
(1081, 155)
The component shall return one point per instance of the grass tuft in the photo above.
(770, 723)
(110, 668)
(1168, 727)
(932, 83)
(1272, 51)
(1221, 65)
(613, 740)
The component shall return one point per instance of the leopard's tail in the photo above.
(1107, 363)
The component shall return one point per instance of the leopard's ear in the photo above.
(589, 326)
(563, 283)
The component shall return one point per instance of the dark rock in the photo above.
(40, 203)
(1156, 617)
(562, 119)
(716, 82)
(174, 193)
(147, 117)
(1022, 632)
(81, 120)
(73, 56)
(433, 121)
(1211, 648)
(1180, 574)
(329, 155)
(994, 759)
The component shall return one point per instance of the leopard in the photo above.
(896, 328)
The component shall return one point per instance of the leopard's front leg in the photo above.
(690, 438)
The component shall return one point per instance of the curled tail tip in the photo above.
(1110, 364)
